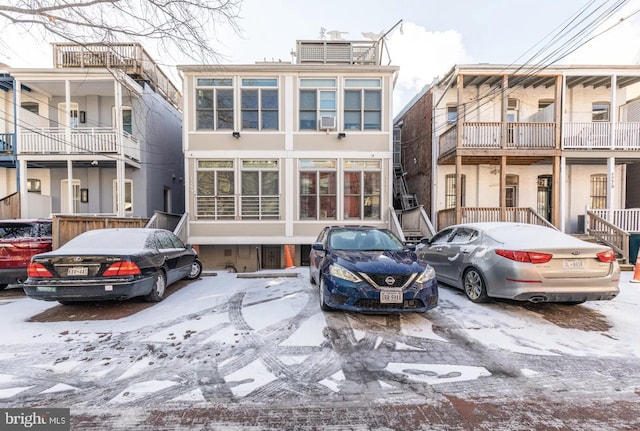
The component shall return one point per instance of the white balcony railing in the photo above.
(601, 135)
(94, 140)
(489, 136)
(538, 136)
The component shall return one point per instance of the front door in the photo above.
(545, 196)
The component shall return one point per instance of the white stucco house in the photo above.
(555, 144)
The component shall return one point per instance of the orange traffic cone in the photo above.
(636, 272)
(288, 261)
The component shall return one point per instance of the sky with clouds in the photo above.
(434, 35)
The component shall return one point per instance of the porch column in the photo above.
(611, 187)
(558, 118)
(613, 112)
(460, 127)
(503, 113)
(21, 166)
(120, 171)
(555, 192)
(563, 194)
(67, 132)
(503, 192)
(24, 198)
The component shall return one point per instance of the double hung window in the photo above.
(317, 100)
(450, 191)
(317, 189)
(362, 184)
(598, 191)
(259, 104)
(260, 190)
(362, 104)
(215, 196)
(214, 104)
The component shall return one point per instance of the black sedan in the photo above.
(112, 264)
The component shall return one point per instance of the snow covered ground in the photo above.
(223, 339)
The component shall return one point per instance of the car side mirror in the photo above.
(317, 246)
(425, 241)
(410, 247)
(188, 246)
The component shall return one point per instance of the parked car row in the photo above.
(368, 269)
(355, 268)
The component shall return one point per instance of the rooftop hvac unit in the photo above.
(327, 123)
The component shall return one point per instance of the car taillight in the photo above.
(38, 270)
(525, 256)
(606, 256)
(32, 245)
(121, 268)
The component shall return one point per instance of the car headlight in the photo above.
(428, 274)
(345, 274)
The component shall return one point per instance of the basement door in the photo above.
(271, 257)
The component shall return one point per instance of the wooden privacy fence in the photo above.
(66, 227)
(10, 206)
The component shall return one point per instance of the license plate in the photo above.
(573, 264)
(391, 297)
(77, 270)
(45, 288)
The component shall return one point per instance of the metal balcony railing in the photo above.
(130, 58)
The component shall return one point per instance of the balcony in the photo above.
(6, 144)
(130, 58)
(488, 135)
(93, 140)
(601, 136)
(541, 136)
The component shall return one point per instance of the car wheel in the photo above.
(323, 301)
(159, 286)
(196, 270)
(474, 286)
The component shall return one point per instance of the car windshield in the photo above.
(365, 240)
(15, 231)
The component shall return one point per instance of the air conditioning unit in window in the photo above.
(513, 104)
(327, 123)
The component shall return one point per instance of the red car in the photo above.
(19, 240)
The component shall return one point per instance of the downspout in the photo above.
(15, 134)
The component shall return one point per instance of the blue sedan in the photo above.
(367, 269)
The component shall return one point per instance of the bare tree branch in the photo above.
(187, 26)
